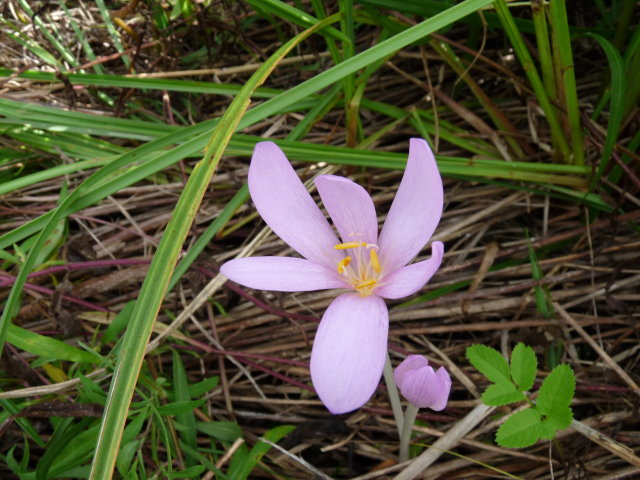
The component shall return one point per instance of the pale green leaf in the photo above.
(125, 457)
(119, 323)
(176, 408)
(502, 393)
(556, 391)
(181, 394)
(205, 386)
(520, 430)
(489, 362)
(45, 346)
(223, 431)
(134, 427)
(523, 366)
(618, 99)
(191, 472)
(242, 466)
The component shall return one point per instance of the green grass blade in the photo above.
(362, 60)
(318, 7)
(64, 52)
(242, 145)
(539, 13)
(49, 222)
(121, 81)
(106, 18)
(10, 408)
(542, 301)
(32, 46)
(499, 119)
(157, 280)
(216, 226)
(197, 133)
(618, 100)
(632, 71)
(529, 67)
(186, 419)
(295, 15)
(46, 347)
(352, 105)
(566, 77)
(624, 18)
(319, 110)
(86, 47)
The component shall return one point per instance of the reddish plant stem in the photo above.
(16, 355)
(89, 265)
(259, 303)
(284, 378)
(7, 280)
(196, 345)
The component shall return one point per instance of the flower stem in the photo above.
(407, 428)
(394, 397)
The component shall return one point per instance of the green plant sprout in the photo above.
(543, 418)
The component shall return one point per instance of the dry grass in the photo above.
(259, 342)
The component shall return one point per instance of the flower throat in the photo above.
(362, 267)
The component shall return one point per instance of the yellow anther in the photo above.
(366, 283)
(345, 246)
(343, 264)
(375, 262)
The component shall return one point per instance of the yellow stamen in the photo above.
(375, 262)
(367, 283)
(343, 264)
(345, 246)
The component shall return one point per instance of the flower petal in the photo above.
(418, 387)
(350, 207)
(415, 211)
(281, 274)
(349, 351)
(445, 389)
(407, 280)
(409, 364)
(286, 206)
(426, 388)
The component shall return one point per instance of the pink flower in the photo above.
(350, 346)
(422, 386)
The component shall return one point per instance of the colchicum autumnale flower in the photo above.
(421, 385)
(350, 346)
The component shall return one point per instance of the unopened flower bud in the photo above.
(421, 385)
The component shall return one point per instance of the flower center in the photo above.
(362, 267)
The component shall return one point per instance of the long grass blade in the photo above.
(158, 277)
(565, 76)
(617, 101)
(529, 67)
